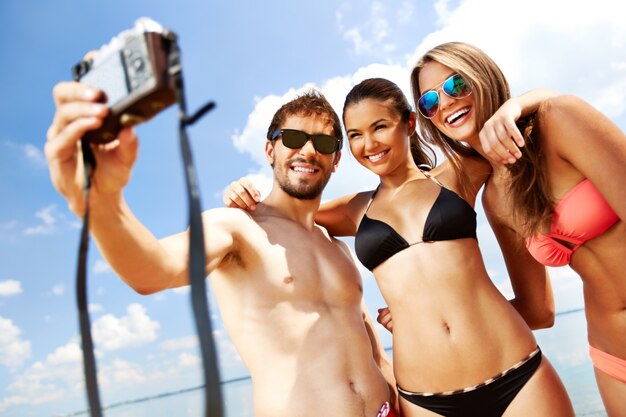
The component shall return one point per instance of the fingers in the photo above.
(250, 188)
(384, 318)
(500, 142)
(62, 145)
(128, 146)
(67, 91)
(516, 135)
(76, 113)
(241, 194)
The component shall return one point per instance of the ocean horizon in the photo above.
(564, 344)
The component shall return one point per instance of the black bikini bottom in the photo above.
(487, 399)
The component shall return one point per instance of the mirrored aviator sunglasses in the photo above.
(454, 86)
(296, 139)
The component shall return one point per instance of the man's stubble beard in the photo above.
(305, 191)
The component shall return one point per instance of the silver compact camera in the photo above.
(137, 70)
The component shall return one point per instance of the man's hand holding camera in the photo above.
(78, 110)
(124, 83)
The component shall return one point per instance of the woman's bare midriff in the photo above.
(600, 265)
(452, 328)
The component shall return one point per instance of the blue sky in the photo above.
(249, 57)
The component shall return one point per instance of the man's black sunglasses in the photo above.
(296, 139)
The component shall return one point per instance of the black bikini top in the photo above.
(450, 218)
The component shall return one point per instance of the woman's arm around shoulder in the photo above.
(342, 215)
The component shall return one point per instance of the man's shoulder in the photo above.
(340, 244)
(230, 218)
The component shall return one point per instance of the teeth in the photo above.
(457, 114)
(376, 157)
(303, 169)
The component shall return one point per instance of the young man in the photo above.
(290, 295)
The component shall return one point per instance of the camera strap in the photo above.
(197, 259)
(89, 360)
(197, 263)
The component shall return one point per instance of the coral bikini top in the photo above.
(581, 215)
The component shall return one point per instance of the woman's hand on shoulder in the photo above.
(500, 138)
(241, 194)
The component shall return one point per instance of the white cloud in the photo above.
(160, 296)
(125, 372)
(443, 11)
(10, 287)
(34, 154)
(14, 351)
(48, 219)
(49, 380)
(189, 342)
(182, 290)
(101, 266)
(404, 14)
(94, 308)
(252, 138)
(58, 290)
(134, 329)
(371, 36)
(69, 353)
(187, 359)
(30, 152)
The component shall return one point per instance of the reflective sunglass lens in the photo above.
(456, 87)
(429, 103)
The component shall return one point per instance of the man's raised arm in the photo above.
(144, 262)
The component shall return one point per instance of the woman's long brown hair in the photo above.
(533, 205)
